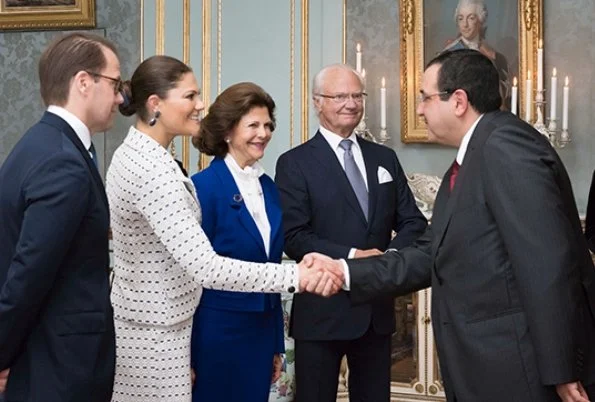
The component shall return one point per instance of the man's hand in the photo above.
(367, 253)
(320, 274)
(3, 379)
(572, 392)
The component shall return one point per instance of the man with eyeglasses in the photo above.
(513, 284)
(343, 196)
(57, 339)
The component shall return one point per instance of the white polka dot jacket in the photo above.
(162, 257)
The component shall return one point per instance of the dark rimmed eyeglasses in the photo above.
(117, 83)
(357, 97)
(423, 97)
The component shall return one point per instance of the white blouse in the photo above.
(248, 183)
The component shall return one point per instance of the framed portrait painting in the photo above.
(46, 14)
(507, 31)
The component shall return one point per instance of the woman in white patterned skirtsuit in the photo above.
(162, 258)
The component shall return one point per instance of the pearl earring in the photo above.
(154, 119)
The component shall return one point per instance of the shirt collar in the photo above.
(253, 171)
(81, 130)
(334, 139)
(471, 44)
(465, 141)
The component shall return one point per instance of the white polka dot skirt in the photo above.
(152, 363)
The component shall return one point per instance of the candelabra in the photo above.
(558, 138)
(364, 132)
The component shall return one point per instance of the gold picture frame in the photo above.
(46, 14)
(413, 48)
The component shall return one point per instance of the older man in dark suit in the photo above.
(56, 322)
(513, 285)
(343, 196)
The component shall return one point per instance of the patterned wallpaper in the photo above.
(569, 46)
(20, 103)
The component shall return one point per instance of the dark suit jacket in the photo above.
(509, 267)
(233, 233)
(56, 322)
(590, 218)
(321, 213)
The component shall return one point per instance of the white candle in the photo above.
(528, 97)
(554, 90)
(565, 105)
(383, 105)
(540, 66)
(364, 100)
(514, 96)
(358, 58)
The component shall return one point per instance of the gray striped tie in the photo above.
(354, 175)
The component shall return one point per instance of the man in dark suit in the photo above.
(342, 196)
(56, 322)
(513, 285)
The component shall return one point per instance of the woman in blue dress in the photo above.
(237, 338)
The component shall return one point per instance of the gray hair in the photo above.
(318, 80)
(482, 10)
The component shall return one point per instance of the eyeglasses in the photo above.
(118, 84)
(423, 97)
(357, 97)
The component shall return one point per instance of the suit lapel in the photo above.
(450, 199)
(322, 152)
(273, 209)
(60, 124)
(372, 176)
(236, 201)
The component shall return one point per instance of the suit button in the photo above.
(291, 289)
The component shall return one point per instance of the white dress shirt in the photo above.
(80, 129)
(248, 183)
(465, 141)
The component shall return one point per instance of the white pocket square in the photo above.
(384, 176)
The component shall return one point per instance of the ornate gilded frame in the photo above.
(46, 15)
(411, 27)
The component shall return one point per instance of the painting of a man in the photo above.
(471, 17)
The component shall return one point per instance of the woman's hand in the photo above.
(277, 364)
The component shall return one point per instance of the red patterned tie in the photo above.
(453, 174)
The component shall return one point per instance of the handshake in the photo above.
(320, 274)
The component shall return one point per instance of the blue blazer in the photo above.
(233, 233)
(56, 321)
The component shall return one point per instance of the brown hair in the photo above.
(154, 76)
(226, 112)
(64, 58)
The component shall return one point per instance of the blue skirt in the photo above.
(232, 354)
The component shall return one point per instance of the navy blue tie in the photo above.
(354, 175)
(94, 156)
